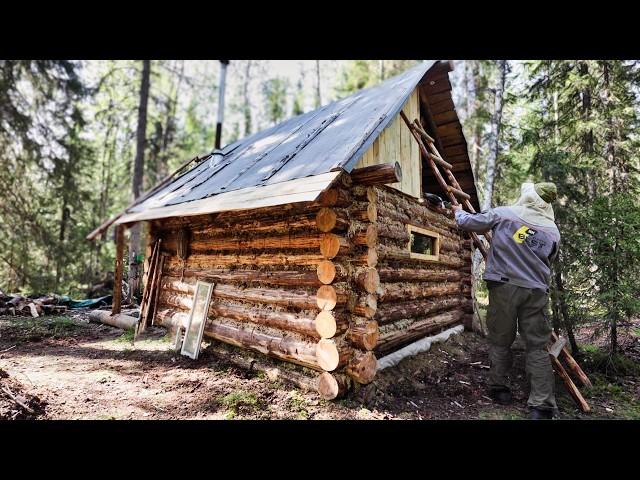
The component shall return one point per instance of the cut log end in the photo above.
(363, 367)
(331, 386)
(364, 335)
(369, 280)
(327, 355)
(326, 219)
(326, 297)
(326, 324)
(329, 245)
(326, 272)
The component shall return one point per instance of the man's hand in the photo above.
(455, 208)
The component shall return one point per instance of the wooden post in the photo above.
(117, 284)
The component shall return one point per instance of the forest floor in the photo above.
(68, 368)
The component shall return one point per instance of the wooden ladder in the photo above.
(454, 191)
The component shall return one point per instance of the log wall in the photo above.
(327, 287)
(415, 297)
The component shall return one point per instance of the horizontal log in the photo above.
(266, 277)
(395, 231)
(362, 367)
(170, 318)
(206, 261)
(400, 208)
(333, 385)
(395, 254)
(377, 174)
(290, 322)
(119, 320)
(417, 275)
(392, 312)
(244, 359)
(393, 292)
(275, 344)
(391, 339)
(287, 241)
(302, 220)
(327, 295)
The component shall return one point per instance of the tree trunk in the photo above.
(245, 96)
(135, 247)
(318, 97)
(562, 303)
(495, 141)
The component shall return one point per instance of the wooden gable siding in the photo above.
(395, 144)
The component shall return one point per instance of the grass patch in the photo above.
(127, 336)
(298, 405)
(236, 401)
(33, 329)
(495, 415)
(598, 360)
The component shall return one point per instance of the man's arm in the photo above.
(475, 222)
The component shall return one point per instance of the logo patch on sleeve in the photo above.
(523, 233)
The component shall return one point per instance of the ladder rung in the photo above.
(458, 193)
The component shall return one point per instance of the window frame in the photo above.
(429, 233)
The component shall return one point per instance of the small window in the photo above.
(423, 244)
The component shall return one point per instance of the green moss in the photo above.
(236, 400)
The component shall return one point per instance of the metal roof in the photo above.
(329, 138)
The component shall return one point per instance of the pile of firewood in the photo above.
(17, 305)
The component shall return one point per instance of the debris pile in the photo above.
(17, 305)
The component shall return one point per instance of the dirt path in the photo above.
(79, 370)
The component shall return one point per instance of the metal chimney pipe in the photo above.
(223, 78)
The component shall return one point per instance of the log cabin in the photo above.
(315, 234)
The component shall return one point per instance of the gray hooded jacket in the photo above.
(521, 252)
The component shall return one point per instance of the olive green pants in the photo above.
(511, 309)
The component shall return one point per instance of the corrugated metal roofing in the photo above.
(329, 138)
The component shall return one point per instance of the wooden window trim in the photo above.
(421, 256)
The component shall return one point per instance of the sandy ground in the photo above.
(67, 368)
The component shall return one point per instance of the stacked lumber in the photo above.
(17, 305)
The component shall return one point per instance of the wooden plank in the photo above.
(454, 150)
(456, 139)
(437, 86)
(449, 129)
(445, 117)
(117, 282)
(299, 190)
(443, 106)
(434, 98)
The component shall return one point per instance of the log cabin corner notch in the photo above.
(304, 227)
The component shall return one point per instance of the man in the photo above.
(518, 270)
